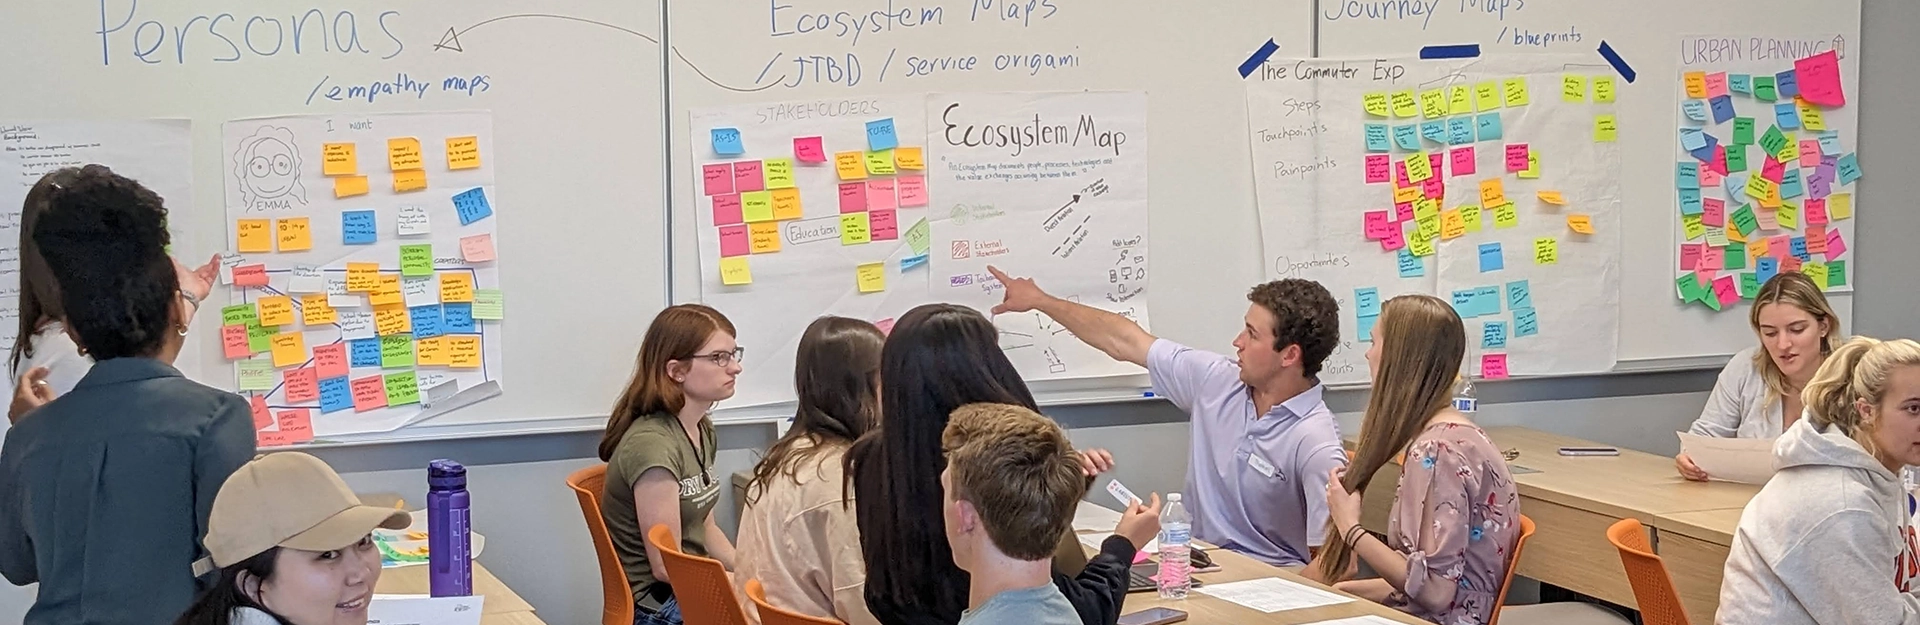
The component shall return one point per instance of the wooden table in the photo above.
(1695, 546)
(503, 606)
(1204, 609)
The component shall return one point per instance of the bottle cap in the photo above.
(1173, 497)
(446, 474)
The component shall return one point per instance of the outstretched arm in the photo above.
(1116, 335)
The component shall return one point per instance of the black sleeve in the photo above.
(1099, 593)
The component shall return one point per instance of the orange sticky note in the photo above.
(764, 238)
(1492, 192)
(1580, 223)
(362, 277)
(315, 310)
(253, 235)
(1696, 84)
(403, 153)
(456, 287)
(463, 351)
(477, 248)
(786, 204)
(1452, 224)
(339, 159)
(1406, 194)
(410, 180)
(910, 158)
(386, 291)
(295, 234)
(289, 349)
(349, 186)
(432, 352)
(463, 153)
(1552, 197)
(276, 310)
(391, 319)
(851, 165)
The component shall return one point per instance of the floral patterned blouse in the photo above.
(1456, 515)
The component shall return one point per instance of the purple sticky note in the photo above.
(733, 241)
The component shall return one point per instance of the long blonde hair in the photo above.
(1421, 344)
(1856, 372)
(1797, 290)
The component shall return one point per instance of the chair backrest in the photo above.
(699, 584)
(770, 615)
(1652, 587)
(617, 606)
(1513, 564)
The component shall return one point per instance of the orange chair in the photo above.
(700, 584)
(1652, 587)
(1563, 613)
(770, 615)
(617, 605)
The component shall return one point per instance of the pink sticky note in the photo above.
(726, 209)
(880, 195)
(1718, 164)
(303, 384)
(883, 224)
(1493, 366)
(296, 425)
(718, 178)
(1706, 276)
(1711, 258)
(1400, 178)
(1819, 79)
(233, 341)
(477, 248)
(885, 326)
(1394, 240)
(254, 275)
(1403, 212)
(1437, 161)
(809, 150)
(1790, 263)
(1434, 188)
(1836, 244)
(747, 177)
(369, 393)
(1378, 168)
(258, 405)
(1810, 153)
(1516, 157)
(912, 190)
(1773, 170)
(270, 438)
(1713, 212)
(1780, 246)
(733, 241)
(1462, 157)
(1710, 179)
(1816, 239)
(1814, 212)
(853, 197)
(1690, 256)
(1716, 84)
(1725, 289)
(1766, 219)
(330, 360)
(1377, 225)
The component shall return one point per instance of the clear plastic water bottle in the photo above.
(1176, 567)
(449, 552)
(1463, 397)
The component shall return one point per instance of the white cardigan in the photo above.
(1740, 406)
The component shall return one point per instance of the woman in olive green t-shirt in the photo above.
(659, 448)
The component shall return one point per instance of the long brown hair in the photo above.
(1856, 372)
(39, 295)
(1421, 344)
(834, 375)
(677, 333)
(1797, 290)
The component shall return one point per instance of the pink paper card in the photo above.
(1690, 256)
(809, 150)
(1378, 168)
(1403, 212)
(1711, 258)
(1814, 211)
(1377, 225)
(261, 418)
(1774, 170)
(1716, 84)
(302, 385)
(1713, 212)
(880, 195)
(1710, 179)
(1718, 164)
(1437, 162)
(726, 210)
(912, 190)
(1810, 153)
(1462, 157)
(733, 241)
(1836, 244)
(1493, 366)
(1434, 188)
(884, 224)
(1516, 157)
(853, 197)
(477, 248)
(1819, 79)
(746, 177)
(1728, 292)
(1394, 240)
(718, 178)
(1400, 178)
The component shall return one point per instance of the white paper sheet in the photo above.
(425, 610)
(1359, 620)
(1743, 460)
(1093, 517)
(1272, 594)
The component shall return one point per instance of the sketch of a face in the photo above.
(268, 166)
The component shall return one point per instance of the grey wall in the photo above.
(1887, 298)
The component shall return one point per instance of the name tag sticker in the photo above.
(1260, 464)
(1119, 491)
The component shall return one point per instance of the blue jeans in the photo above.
(668, 614)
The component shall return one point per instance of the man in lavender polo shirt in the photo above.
(1262, 441)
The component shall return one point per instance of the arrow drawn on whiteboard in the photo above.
(1054, 219)
(451, 42)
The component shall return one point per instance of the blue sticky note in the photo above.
(1377, 140)
(1411, 266)
(1519, 295)
(1493, 335)
(1798, 247)
(912, 261)
(1830, 142)
(1435, 131)
(1722, 109)
(335, 395)
(1734, 184)
(1786, 116)
(1364, 328)
(1687, 175)
(1460, 131)
(1488, 299)
(1740, 83)
(472, 205)
(1790, 185)
(1491, 258)
(881, 136)
(1787, 83)
(426, 321)
(1464, 304)
(1705, 152)
(1765, 267)
(1692, 139)
(1488, 125)
(358, 227)
(1695, 110)
(457, 318)
(1525, 322)
(363, 352)
(726, 142)
(1366, 302)
(1690, 202)
(1407, 137)
(1849, 168)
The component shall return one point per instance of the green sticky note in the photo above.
(1763, 89)
(256, 374)
(396, 351)
(919, 239)
(1749, 283)
(490, 304)
(1773, 141)
(1736, 158)
(259, 338)
(416, 260)
(1735, 258)
(1689, 287)
(402, 388)
(1836, 273)
(1744, 220)
(239, 314)
(1743, 131)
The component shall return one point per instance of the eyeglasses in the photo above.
(723, 359)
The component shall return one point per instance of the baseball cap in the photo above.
(289, 499)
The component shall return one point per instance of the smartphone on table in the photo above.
(1153, 616)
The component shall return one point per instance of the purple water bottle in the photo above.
(449, 549)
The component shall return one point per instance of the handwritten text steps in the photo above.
(1421, 11)
(802, 18)
(851, 69)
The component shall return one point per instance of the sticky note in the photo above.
(369, 393)
(1740, 83)
(456, 286)
(881, 135)
(364, 352)
(315, 311)
(339, 159)
(1375, 104)
(294, 234)
(233, 341)
(302, 385)
(1493, 366)
(884, 224)
(463, 352)
(403, 154)
(349, 186)
(756, 206)
(1840, 206)
(1763, 89)
(1516, 157)
(1726, 290)
(1836, 245)
(471, 205)
(396, 351)
(1836, 273)
(853, 197)
(1459, 100)
(416, 260)
(1818, 79)
(1421, 246)
(386, 291)
(402, 388)
(463, 153)
(357, 227)
(289, 348)
(254, 275)
(1580, 223)
(809, 150)
(880, 194)
(457, 317)
(716, 179)
(1533, 166)
(1605, 129)
(1493, 335)
(880, 163)
(1435, 131)
(1546, 251)
(1491, 258)
(1721, 109)
(409, 181)
(391, 319)
(1785, 116)
(912, 191)
(1407, 137)
(1377, 138)
(910, 159)
(253, 235)
(854, 229)
(1366, 301)
(1696, 84)
(779, 173)
(1411, 266)
(1488, 126)
(1526, 322)
(1573, 88)
(1471, 215)
(1363, 327)
(1433, 104)
(1452, 226)
(276, 310)
(297, 424)
(872, 277)
(1486, 95)
(726, 142)
(335, 394)
(1492, 192)
(1515, 90)
(255, 374)
(330, 360)
(1462, 159)
(749, 176)
(431, 352)
(763, 238)
(733, 241)
(1695, 110)
(1603, 89)
(1848, 167)
(477, 248)
(1551, 197)
(850, 165)
(1404, 104)
(1505, 216)
(489, 304)
(734, 271)
(1460, 131)
(786, 204)
(1787, 83)
(1810, 117)
(1736, 156)
(1419, 168)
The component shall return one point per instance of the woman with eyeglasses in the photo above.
(659, 448)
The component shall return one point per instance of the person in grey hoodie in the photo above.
(1827, 534)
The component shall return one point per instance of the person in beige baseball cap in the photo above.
(294, 547)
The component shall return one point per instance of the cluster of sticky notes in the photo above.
(1598, 89)
(1495, 334)
(1451, 118)
(261, 235)
(406, 161)
(1366, 312)
(1754, 204)
(279, 428)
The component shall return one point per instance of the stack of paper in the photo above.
(424, 610)
(1743, 460)
(1272, 594)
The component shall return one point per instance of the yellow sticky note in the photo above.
(456, 287)
(1605, 129)
(1696, 84)
(1733, 234)
(289, 349)
(1486, 95)
(362, 277)
(1492, 192)
(1839, 206)
(910, 159)
(763, 238)
(1452, 225)
(432, 352)
(349, 186)
(880, 162)
(1406, 194)
(392, 319)
(1420, 246)
(1603, 89)
(1459, 100)
(1533, 165)
(403, 153)
(1789, 152)
(1573, 87)
(1816, 271)
(1759, 187)
(756, 206)
(386, 291)
(253, 235)
(1426, 207)
(872, 277)
(1505, 216)
(1810, 118)
(1580, 223)
(295, 234)
(275, 310)
(1516, 91)
(851, 165)
(734, 271)
(463, 352)
(1433, 104)
(1546, 251)
(778, 172)
(315, 310)
(1419, 167)
(463, 153)
(410, 180)
(1375, 104)
(786, 204)
(1692, 227)
(1404, 105)
(339, 159)
(1470, 215)
(1788, 216)
(854, 229)
(1552, 197)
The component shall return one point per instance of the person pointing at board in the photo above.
(1262, 442)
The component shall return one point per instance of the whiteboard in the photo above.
(1656, 331)
(575, 100)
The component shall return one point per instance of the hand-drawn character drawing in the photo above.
(267, 165)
